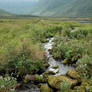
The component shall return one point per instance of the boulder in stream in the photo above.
(66, 61)
(55, 67)
(56, 82)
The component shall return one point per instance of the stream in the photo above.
(62, 69)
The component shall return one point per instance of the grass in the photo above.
(21, 50)
(74, 46)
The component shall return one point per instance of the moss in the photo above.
(74, 75)
(35, 78)
(84, 83)
(56, 66)
(44, 40)
(83, 89)
(45, 88)
(46, 65)
(39, 79)
(89, 88)
(29, 78)
(56, 81)
(66, 61)
(79, 89)
(45, 75)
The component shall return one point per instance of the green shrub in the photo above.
(67, 49)
(28, 59)
(79, 33)
(66, 32)
(7, 84)
(85, 64)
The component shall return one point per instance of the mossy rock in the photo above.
(29, 78)
(44, 40)
(69, 61)
(46, 65)
(48, 73)
(45, 75)
(79, 89)
(84, 83)
(55, 67)
(45, 88)
(83, 89)
(57, 81)
(74, 75)
(35, 78)
(39, 79)
(89, 88)
(66, 61)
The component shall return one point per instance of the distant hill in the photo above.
(63, 8)
(4, 13)
(53, 8)
(17, 6)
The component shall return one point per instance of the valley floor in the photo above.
(45, 55)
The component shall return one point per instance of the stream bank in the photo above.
(55, 67)
(61, 69)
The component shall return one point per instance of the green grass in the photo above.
(74, 46)
(22, 53)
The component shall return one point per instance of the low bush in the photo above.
(67, 49)
(7, 84)
(85, 64)
(22, 58)
(79, 33)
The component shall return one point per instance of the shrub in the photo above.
(66, 32)
(79, 33)
(7, 84)
(26, 60)
(85, 64)
(67, 49)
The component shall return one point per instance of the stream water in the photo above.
(62, 69)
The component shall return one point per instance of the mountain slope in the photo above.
(17, 6)
(64, 8)
(4, 13)
(55, 8)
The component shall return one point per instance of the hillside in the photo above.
(63, 8)
(17, 7)
(53, 8)
(4, 13)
